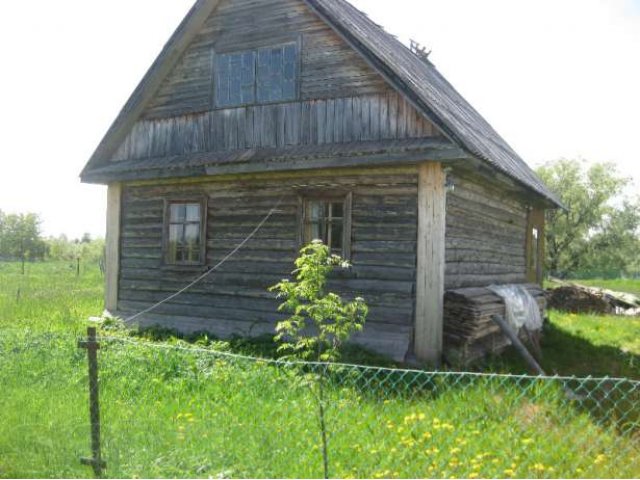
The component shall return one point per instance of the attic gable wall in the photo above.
(341, 98)
(330, 68)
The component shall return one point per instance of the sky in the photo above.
(556, 78)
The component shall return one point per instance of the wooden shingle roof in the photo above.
(423, 84)
(418, 80)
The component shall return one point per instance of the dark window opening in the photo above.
(327, 220)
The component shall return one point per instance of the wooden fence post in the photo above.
(92, 346)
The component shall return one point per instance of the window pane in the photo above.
(178, 213)
(317, 210)
(193, 212)
(192, 234)
(337, 210)
(336, 237)
(314, 232)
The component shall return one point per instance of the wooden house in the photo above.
(311, 106)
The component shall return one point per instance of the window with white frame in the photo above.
(185, 231)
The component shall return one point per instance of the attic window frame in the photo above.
(297, 42)
(202, 201)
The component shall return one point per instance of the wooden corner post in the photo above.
(112, 249)
(431, 263)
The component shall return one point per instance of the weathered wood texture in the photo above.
(430, 263)
(535, 246)
(317, 122)
(112, 248)
(235, 298)
(485, 239)
(329, 67)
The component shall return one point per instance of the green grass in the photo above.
(596, 345)
(171, 411)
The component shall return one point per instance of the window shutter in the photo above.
(277, 73)
(235, 79)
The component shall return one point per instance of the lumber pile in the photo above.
(575, 298)
(469, 331)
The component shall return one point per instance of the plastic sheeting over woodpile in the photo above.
(469, 331)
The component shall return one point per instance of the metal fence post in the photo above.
(92, 346)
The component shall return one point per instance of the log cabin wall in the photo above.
(340, 98)
(486, 235)
(235, 300)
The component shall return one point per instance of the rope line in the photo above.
(212, 269)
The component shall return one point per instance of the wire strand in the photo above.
(211, 270)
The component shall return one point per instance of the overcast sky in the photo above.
(557, 78)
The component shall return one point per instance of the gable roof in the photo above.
(417, 79)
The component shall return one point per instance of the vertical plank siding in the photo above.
(235, 300)
(486, 236)
(317, 122)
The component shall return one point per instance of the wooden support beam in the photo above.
(112, 277)
(431, 263)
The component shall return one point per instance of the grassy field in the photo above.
(170, 410)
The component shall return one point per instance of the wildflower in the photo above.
(455, 450)
(421, 416)
(473, 475)
(426, 435)
(539, 467)
(509, 472)
(599, 459)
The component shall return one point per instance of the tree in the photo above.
(615, 245)
(320, 321)
(20, 238)
(588, 193)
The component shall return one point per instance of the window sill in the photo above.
(199, 268)
(343, 274)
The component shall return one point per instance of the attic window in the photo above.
(261, 76)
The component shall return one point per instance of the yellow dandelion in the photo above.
(599, 459)
(455, 450)
(473, 475)
(509, 472)
(539, 467)
(426, 435)
(421, 416)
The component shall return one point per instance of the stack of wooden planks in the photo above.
(469, 331)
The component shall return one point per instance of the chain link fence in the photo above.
(178, 410)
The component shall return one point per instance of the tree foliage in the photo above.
(599, 228)
(20, 237)
(320, 321)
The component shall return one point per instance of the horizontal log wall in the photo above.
(317, 122)
(485, 238)
(329, 67)
(235, 299)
